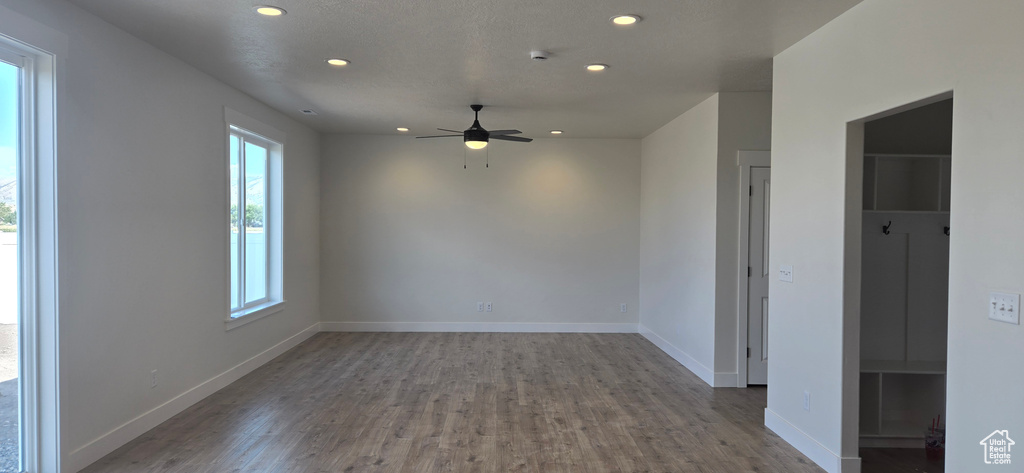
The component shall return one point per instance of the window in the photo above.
(29, 79)
(254, 220)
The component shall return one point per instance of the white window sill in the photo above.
(252, 314)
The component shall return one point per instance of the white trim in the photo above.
(254, 126)
(510, 327)
(273, 140)
(815, 451)
(44, 50)
(252, 314)
(110, 441)
(755, 158)
(689, 362)
(745, 160)
(726, 380)
(10, 57)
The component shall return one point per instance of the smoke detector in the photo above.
(539, 55)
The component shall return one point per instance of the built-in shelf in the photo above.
(900, 366)
(898, 429)
(906, 156)
(907, 182)
(914, 212)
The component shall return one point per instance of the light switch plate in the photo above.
(1004, 307)
(786, 273)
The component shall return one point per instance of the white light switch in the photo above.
(786, 273)
(1004, 308)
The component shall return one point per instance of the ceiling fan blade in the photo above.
(504, 132)
(512, 138)
(452, 131)
(438, 136)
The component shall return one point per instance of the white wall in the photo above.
(690, 221)
(142, 202)
(878, 56)
(744, 123)
(678, 224)
(411, 240)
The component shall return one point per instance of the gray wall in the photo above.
(549, 232)
(677, 272)
(924, 130)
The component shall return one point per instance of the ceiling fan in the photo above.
(476, 137)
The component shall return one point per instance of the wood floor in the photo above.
(483, 402)
(898, 460)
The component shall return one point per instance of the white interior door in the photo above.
(757, 283)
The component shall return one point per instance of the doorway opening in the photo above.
(897, 283)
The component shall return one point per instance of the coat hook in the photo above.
(885, 228)
(946, 231)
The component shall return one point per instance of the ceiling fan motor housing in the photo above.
(475, 134)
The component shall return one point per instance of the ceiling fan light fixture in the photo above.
(269, 10)
(476, 144)
(625, 20)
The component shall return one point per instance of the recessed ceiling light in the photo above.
(625, 20)
(596, 67)
(268, 10)
(556, 132)
(402, 129)
(337, 62)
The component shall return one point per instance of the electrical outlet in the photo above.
(1004, 308)
(622, 308)
(152, 379)
(807, 401)
(489, 307)
(479, 306)
(786, 273)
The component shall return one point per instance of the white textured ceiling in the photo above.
(420, 63)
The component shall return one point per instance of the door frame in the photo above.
(745, 159)
(853, 220)
(43, 49)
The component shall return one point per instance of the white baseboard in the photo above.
(691, 363)
(110, 441)
(817, 452)
(475, 327)
(726, 380)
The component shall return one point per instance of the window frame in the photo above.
(252, 131)
(39, 52)
(244, 138)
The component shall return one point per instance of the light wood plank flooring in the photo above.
(467, 402)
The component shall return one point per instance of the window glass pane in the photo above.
(9, 323)
(255, 216)
(234, 222)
